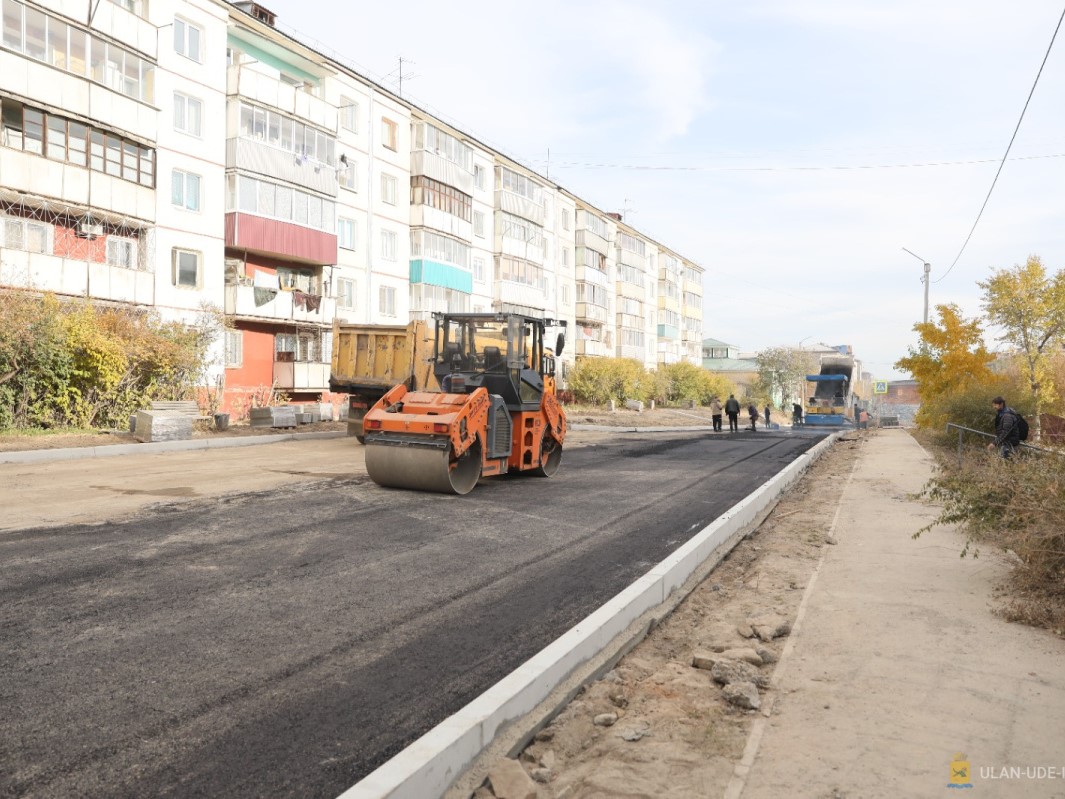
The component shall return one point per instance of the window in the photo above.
(433, 193)
(21, 234)
(386, 300)
(478, 224)
(389, 131)
(478, 176)
(478, 269)
(121, 252)
(348, 176)
(429, 244)
(186, 265)
(388, 189)
(187, 39)
(188, 112)
(304, 347)
(345, 292)
(185, 190)
(565, 256)
(516, 270)
(565, 294)
(349, 114)
(346, 233)
(389, 243)
(263, 198)
(12, 24)
(234, 348)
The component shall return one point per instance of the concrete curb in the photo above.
(76, 453)
(431, 764)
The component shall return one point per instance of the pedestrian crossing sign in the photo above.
(880, 387)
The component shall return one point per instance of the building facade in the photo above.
(187, 155)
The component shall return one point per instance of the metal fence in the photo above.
(961, 441)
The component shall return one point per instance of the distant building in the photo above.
(724, 359)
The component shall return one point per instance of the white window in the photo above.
(389, 244)
(349, 114)
(478, 224)
(478, 269)
(565, 256)
(389, 131)
(234, 348)
(565, 294)
(187, 39)
(345, 293)
(478, 175)
(26, 235)
(348, 176)
(388, 189)
(346, 233)
(121, 252)
(185, 190)
(186, 265)
(386, 300)
(188, 114)
(565, 218)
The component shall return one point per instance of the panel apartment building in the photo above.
(175, 155)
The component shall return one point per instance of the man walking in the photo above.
(715, 413)
(1007, 429)
(767, 425)
(752, 411)
(732, 411)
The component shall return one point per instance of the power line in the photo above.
(1006, 154)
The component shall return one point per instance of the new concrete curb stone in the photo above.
(74, 453)
(431, 764)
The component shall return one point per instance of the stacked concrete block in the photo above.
(278, 416)
(161, 426)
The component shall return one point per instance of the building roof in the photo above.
(729, 365)
(713, 342)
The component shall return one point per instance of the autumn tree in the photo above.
(951, 357)
(783, 370)
(1028, 308)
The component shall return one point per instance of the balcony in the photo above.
(251, 155)
(512, 293)
(595, 349)
(434, 218)
(423, 162)
(73, 185)
(630, 258)
(272, 93)
(518, 248)
(631, 351)
(519, 205)
(285, 239)
(301, 376)
(69, 277)
(586, 311)
(240, 302)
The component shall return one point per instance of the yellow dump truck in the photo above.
(368, 360)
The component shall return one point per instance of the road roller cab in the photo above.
(496, 412)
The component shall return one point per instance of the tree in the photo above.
(1029, 309)
(782, 371)
(950, 358)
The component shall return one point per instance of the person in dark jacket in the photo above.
(753, 413)
(767, 425)
(732, 410)
(1007, 431)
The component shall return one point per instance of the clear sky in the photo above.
(790, 147)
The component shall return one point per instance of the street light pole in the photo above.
(924, 279)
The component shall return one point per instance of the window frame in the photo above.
(185, 194)
(386, 300)
(345, 292)
(234, 337)
(389, 134)
(184, 26)
(175, 259)
(349, 240)
(186, 101)
(389, 189)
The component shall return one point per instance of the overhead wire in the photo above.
(1006, 154)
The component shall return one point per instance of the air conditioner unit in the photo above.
(89, 230)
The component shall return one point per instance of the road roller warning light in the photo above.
(496, 411)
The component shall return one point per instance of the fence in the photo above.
(961, 441)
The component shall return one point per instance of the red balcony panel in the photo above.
(270, 237)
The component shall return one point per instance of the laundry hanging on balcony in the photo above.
(305, 301)
(265, 287)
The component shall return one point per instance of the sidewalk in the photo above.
(896, 663)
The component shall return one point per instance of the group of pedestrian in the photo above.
(732, 411)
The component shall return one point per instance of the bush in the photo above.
(599, 380)
(1016, 505)
(971, 406)
(79, 365)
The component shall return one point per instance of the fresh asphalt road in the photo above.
(287, 642)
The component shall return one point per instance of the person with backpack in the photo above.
(1010, 428)
(752, 411)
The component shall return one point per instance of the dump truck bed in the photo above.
(368, 360)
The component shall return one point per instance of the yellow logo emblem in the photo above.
(960, 772)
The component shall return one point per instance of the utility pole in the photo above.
(924, 279)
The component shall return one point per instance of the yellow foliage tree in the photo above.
(950, 358)
(1028, 307)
